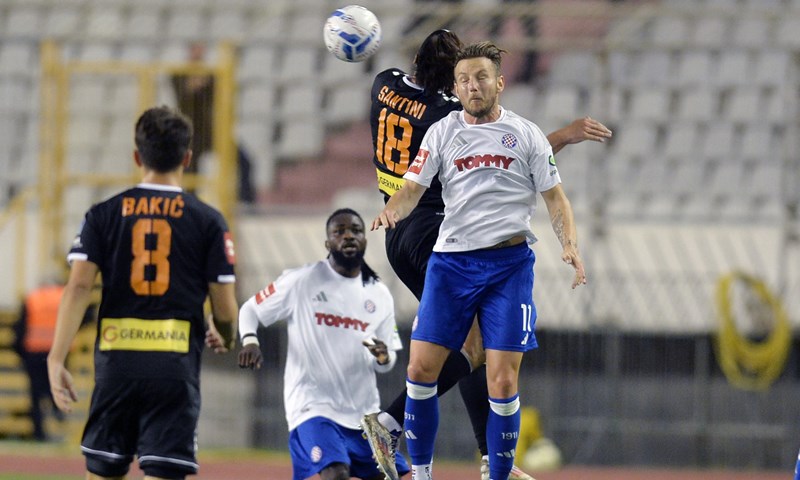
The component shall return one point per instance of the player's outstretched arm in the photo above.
(585, 128)
(563, 222)
(399, 205)
(74, 302)
(221, 333)
(250, 354)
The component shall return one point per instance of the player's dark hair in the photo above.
(483, 49)
(163, 136)
(435, 60)
(367, 273)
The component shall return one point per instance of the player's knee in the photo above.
(421, 373)
(102, 469)
(335, 471)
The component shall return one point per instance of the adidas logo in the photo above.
(508, 454)
(410, 435)
(320, 297)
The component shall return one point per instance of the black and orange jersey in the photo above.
(400, 114)
(157, 249)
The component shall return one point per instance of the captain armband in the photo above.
(249, 339)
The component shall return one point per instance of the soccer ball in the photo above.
(352, 33)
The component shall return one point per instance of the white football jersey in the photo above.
(490, 175)
(329, 373)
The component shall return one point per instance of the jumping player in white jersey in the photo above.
(334, 308)
(491, 164)
(403, 107)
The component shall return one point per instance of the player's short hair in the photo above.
(367, 273)
(483, 49)
(435, 61)
(163, 136)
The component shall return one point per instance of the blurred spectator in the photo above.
(195, 97)
(34, 336)
(527, 22)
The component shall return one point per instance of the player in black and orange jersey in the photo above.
(160, 252)
(403, 108)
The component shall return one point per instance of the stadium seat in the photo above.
(772, 67)
(305, 29)
(560, 103)
(336, 73)
(298, 63)
(522, 100)
(750, 32)
(697, 105)
(17, 58)
(709, 32)
(88, 96)
(303, 137)
(743, 105)
(300, 100)
(786, 34)
(256, 100)
(653, 68)
(346, 105)
(574, 69)
(227, 24)
(681, 141)
(652, 104)
(634, 139)
(694, 68)
(669, 31)
(144, 23)
(733, 69)
(185, 24)
(759, 144)
(23, 21)
(257, 63)
(718, 141)
(104, 23)
(61, 21)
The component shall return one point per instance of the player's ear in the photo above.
(187, 158)
(327, 245)
(137, 158)
(501, 83)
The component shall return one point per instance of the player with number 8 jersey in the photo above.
(160, 252)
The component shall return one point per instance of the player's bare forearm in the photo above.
(399, 205)
(585, 128)
(225, 311)
(563, 222)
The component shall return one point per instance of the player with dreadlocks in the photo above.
(334, 308)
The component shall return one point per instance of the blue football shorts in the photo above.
(495, 284)
(318, 442)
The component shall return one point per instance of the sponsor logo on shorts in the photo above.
(136, 334)
(316, 454)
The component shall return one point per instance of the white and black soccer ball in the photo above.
(352, 33)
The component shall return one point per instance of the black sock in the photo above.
(475, 394)
(455, 368)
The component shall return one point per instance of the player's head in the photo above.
(435, 59)
(478, 81)
(346, 241)
(163, 136)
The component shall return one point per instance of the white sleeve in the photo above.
(542, 161)
(272, 304)
(426, 164)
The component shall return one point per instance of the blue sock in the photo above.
(797, 468)
(502, 432)
(421, 421)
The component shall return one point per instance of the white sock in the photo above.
(421, 472)
(389, 422)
